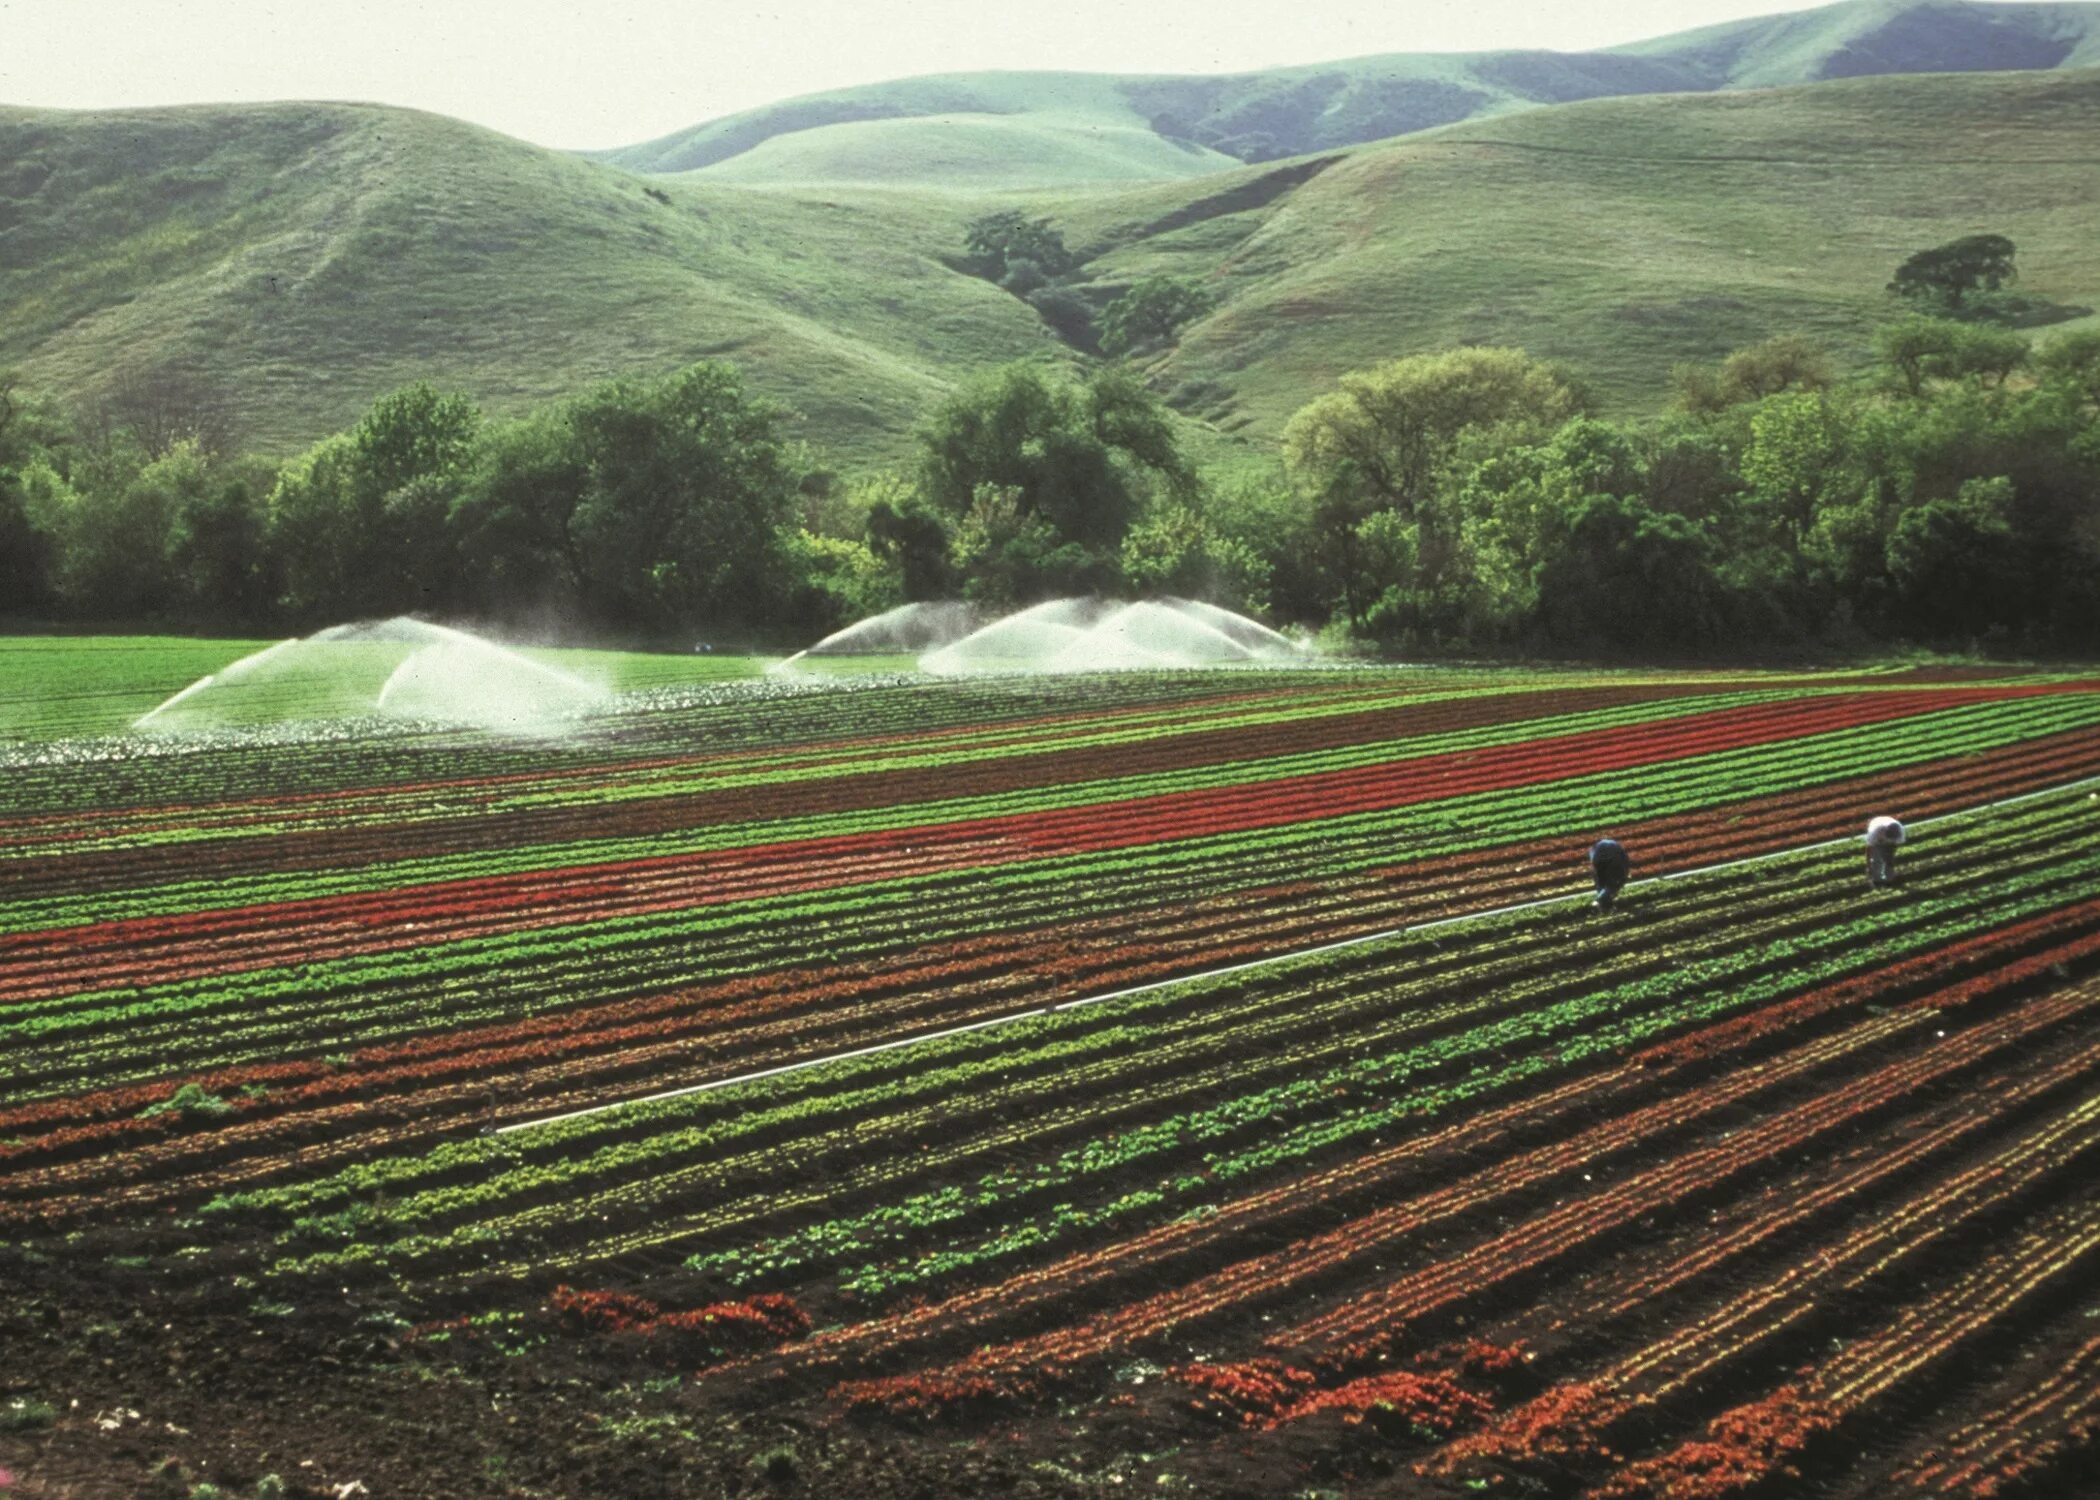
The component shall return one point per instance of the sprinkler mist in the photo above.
(906, 630)
(403, 668)
(1106, 635)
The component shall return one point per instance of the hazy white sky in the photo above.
(621, 71)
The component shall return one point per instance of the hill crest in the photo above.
(1282, 112)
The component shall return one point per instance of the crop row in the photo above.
(738, 717)
(1878, 1249)
(1507, 1017)
(1082, 1274)
(929, 801)
(843, 1007)
(1033, 754)
(1075, 818)
(1836, 1390)
(1571, 1218)
(1123, 787)
(2016, 1440)
(1142, 942)
(623, 954)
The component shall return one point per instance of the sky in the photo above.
(616, 72)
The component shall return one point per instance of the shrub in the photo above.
(27, 1414)
(192, 1101)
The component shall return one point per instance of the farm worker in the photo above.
(1609, 866)
(1884, 837)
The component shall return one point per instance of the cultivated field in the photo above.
(836, 1085)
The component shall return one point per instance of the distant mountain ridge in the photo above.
(1171, 126)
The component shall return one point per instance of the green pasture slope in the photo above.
(1280, 112)
(970, 152)
(1622, 236)
(56, 686)
(306, 258)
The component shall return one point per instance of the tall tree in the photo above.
(1945, 274)
(1384, 432)
(358, 520)
(688, 486)
(1072, 462)
(1151, 313)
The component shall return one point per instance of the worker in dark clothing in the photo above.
(1609, 866)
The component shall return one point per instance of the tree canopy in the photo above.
(1150, 313)
(1032, 463)
(1945, 274)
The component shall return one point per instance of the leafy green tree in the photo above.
(1787, 362)
(359, 519)
(842, 580)
(25, 552)
(110, 533)
(688, 487)
(1796, 462)
(1176, 550)
(910, 537)
(513, 521)
(1386, 430)
(1945, 274)
(1956, 564)
(1010, 555)
(1151, 313)
(1911, 349)
(1255, 506)
(1689, 470)
(1075, 462)
(1629, 578)
(1379, 445)
(1516, 502)
(1919, 350)
(414, 433)
(213, 558)
(321, 534)
(2072, 360)
(1008, 245)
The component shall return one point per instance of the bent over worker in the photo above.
(1884, 837)
(1609, 867)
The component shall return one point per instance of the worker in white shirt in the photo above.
(1884, 837)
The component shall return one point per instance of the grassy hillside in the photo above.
(1623, 235)
(1863, 38)
(305, 258)
(970, 151)
(1283, 112)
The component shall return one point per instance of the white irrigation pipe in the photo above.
(1267, 961)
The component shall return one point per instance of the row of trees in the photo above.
(1471, 498)
(1463, 500)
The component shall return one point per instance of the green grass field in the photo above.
(59, 686)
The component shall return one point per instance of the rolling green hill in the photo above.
(1031, 129)
(970, 151)
(305, 258)
(1620, 235)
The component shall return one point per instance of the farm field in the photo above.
(1210, 1083)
